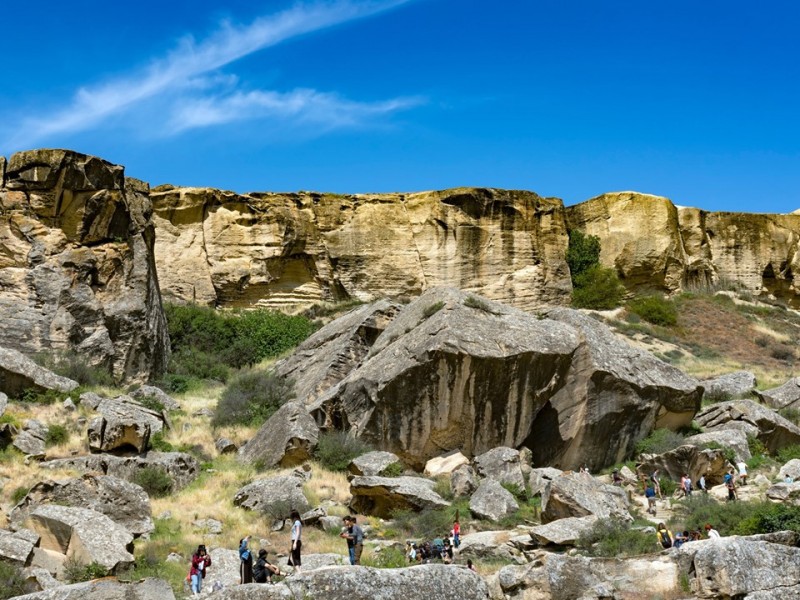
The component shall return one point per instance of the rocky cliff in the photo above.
(653, 243)
(279, 250)
(77, 270)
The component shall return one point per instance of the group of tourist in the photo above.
(667, 540)
(439, 549)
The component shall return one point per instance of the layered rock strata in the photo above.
(77, 269)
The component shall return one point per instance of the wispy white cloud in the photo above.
(182, 76)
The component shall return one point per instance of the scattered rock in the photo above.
(31, 440)
(492, 501)
(123, 425)
(82, 535)
(123, 502)
(312, 516)
(730, 386)
(489, 545)
(69, 405)
(181, 467)
(785, 396)
(501, 464)
(463, 481)
(331, 523)
(381, 496)
(226, 446)
(372, 463)
(18, 373)
(580, 495)
(145, 392)
(540, 477)
(773, 430)
(563, 532)
(728, 438)
(3, 403)
(208, 526)
(286, 439)
(275, 497)
(446, 464)
(17, 547)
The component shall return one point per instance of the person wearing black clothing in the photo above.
(245, 561)
(264, 570)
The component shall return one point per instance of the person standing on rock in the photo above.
(742, 467)
(297, 541)
(730, 485)
(200, 563)
(701, 484)
(656, 484)
(650, 494)
(355, 540)
(456, 533)
(245, 561)
(686, 484)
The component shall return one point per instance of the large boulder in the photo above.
(501, 464)
(787, 493)
(734, 439)
(689, 460)
(123, 502)
(275, 497)
(107, 589)
(753, 568)
(82, 535)
(124, 425)
(382, 496)
(153, 395)
(540, 477)
(785, 396)
(463, 481)
(730, 386)
(485, 375)
(492, 501)
(372, 464)
(773, 430)
(287, 438)
(367, 583)
(562, 532)
(791, 469)
(77, 269)
(489, 545)
(181, 467)
(18, 373)
(581, 495)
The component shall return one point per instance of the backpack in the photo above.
(664, 537)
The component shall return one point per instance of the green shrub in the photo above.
(790, 414)
(660, 441)
(763, 340)
(520, 493)
(735, 518)
(781, 352)
(716, 396)
(251, 398)
(443, 487)
(174, 383)
(75, 572)
(159, 444)
(728, 452)
(236, 339)
(477, 303)
(611, 538)
(428, 523)
(56, 434)
(597, 288)
(19, 493)
(583, 253)
(12, 582)
(389, 557)
(432, 309)
(152, 403)
(655, 309)
(393, 470)
(156, 482)
(75, 367)
(335, 449)
(788, 453)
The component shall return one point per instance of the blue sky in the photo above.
(697, 101)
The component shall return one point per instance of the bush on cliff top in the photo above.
(207, 344)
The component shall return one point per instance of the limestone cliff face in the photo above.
(653, 243)
(285, 250)
(77, 270)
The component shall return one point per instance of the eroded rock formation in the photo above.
(77, 269)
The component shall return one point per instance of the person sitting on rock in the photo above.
(616, 478)
(664, 536)
(264, 570)
(680, 539)
(711, 532)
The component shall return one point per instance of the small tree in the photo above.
(583, 253)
